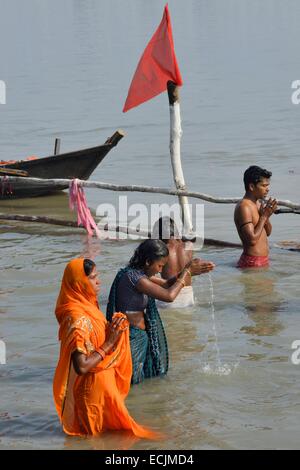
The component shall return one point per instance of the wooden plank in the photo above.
(106, 227)
(57, 146)
(115, 138)
(290, 245)
(12, 172)
(64, 182)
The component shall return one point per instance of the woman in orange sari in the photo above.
(92, 378)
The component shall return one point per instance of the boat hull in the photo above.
(78, 164)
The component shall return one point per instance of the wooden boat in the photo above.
(77, 164)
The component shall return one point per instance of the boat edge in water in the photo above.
(76, 164)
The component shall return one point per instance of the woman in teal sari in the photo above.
(134, 291)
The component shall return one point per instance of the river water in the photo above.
(67, 66)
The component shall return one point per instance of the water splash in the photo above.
(223, 369)
(212, 307)
(217, 368)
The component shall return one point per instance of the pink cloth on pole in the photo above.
(77, 201)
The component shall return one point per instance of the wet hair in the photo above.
(149, 250)
(254, 175)
(88, 266)
(164, 229)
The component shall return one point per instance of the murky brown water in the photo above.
(71, 82)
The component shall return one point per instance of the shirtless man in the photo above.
(252, 216)
(180, 256)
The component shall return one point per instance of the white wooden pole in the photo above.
(175, 138)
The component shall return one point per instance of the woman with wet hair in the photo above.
(133, 293)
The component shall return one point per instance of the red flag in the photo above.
(156, 67)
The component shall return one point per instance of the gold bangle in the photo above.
(188, 271)
(182, 282)
(101, 352)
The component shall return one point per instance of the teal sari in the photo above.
(149, 349)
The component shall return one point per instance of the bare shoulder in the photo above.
(181, 248)
(188, 251)
(244, 209)
(172, 252)
(242, 204)
(184, 254)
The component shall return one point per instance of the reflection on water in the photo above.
(91, 247)
(54, 205)
(261, 301)
(121, 440)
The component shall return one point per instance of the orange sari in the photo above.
(91, 403)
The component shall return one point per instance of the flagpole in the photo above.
(175, 137)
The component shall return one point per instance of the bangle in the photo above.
(188, 271)
(101, 352)
(182, 282)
